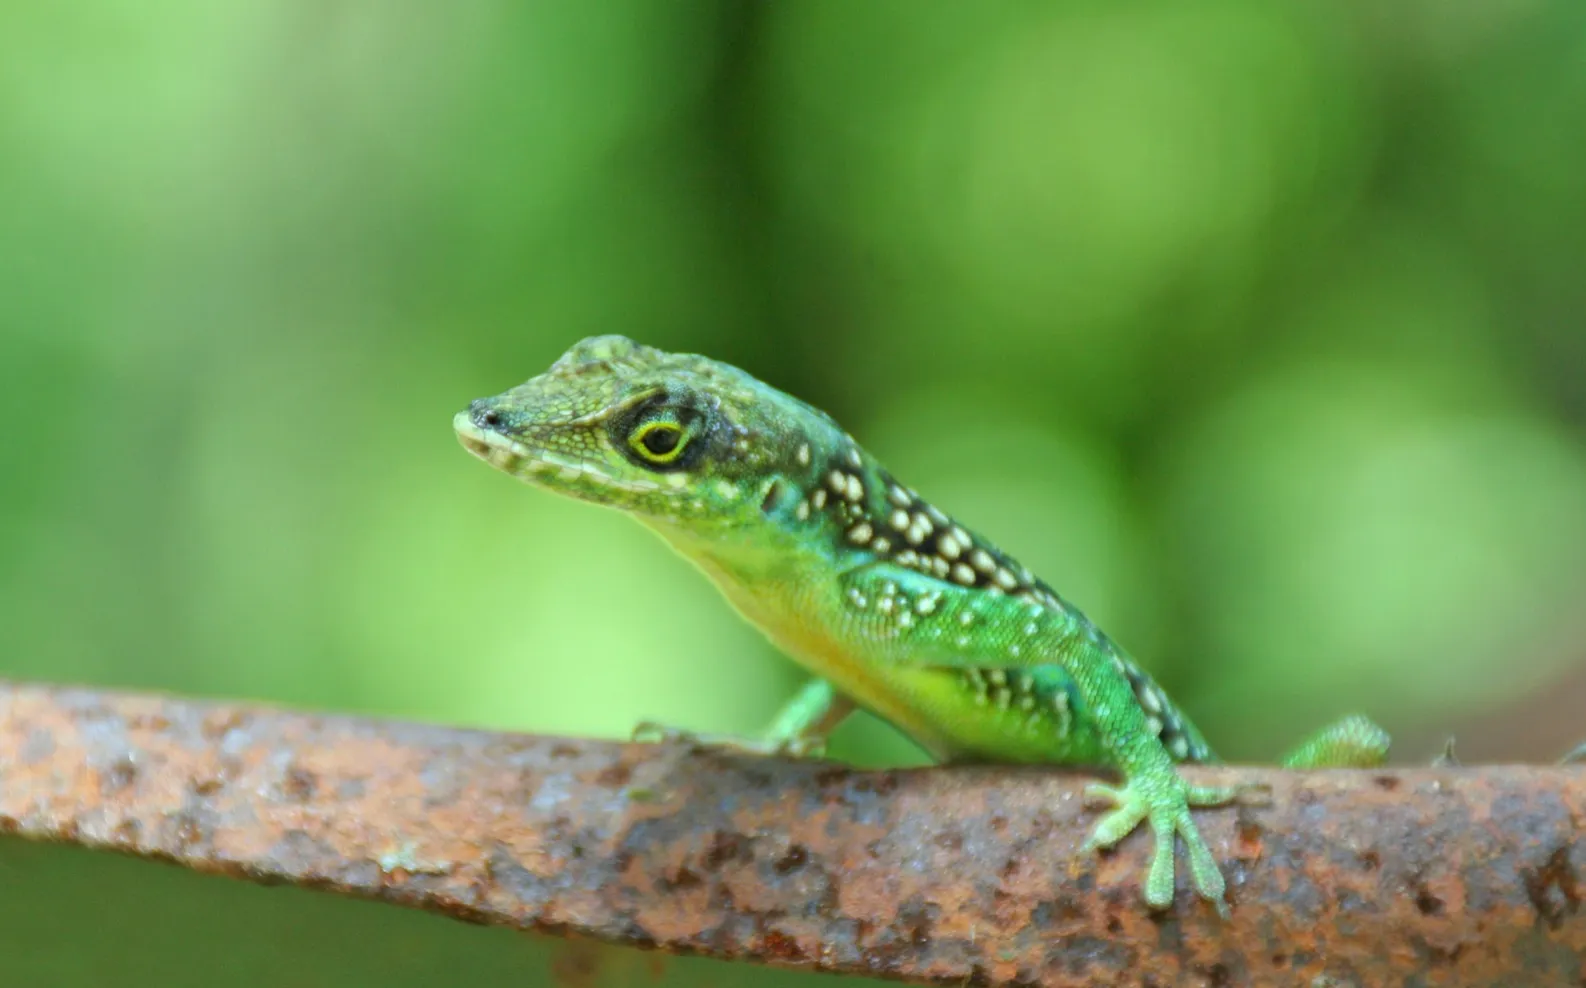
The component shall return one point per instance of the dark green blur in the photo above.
(1255, 329)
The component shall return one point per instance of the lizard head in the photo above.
(675, 439)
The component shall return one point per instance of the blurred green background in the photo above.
(1254, 328)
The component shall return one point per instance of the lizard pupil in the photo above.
(661, 441)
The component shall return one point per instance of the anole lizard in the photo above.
(891, 604)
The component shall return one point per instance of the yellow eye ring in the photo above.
(659, 442)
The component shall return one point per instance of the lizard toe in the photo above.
(1204, 870)
(1100, 796)
(650, 732)
(1130, 810)
(1217, 795)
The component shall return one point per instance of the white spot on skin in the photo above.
(818, 499)
(948, 546)
(1006, 580)
(997, 677)
(1014, 650)
(837, 481)
(884, 605)
(962, 537)
(936, 514)
(907, 558)
(802, 512)
(856, 490)
(966, 618)
(860, 533)
(1153, 726)
(880, 545)
(854, 458)
(963, 574)
(899, 520)
(981, 560)
(927, 603)
(963, 641)
(900, 497)
(1031, 628)
(803, 454)
(1179, 747)
(727, 489)
(678, 480)
(939, 567)
(856, 598)
(1150, 701)
(905, 620)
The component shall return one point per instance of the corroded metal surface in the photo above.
(1459, 877)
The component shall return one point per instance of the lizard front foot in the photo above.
(1165, 804)
(650, 732)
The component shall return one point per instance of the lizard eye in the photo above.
(659, 441)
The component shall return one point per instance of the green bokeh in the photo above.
(1257, 330)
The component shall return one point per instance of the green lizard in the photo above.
(891, 604)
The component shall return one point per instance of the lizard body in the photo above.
(891, 604)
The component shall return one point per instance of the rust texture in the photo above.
(1460, 877)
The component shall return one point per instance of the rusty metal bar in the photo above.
(1452, 877)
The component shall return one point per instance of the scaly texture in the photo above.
(889, 602)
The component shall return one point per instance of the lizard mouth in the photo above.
(501, 452)
(540, 467)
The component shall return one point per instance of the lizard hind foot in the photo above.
(1167, 809)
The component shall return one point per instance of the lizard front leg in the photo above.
(800, 728)
(1155, 793)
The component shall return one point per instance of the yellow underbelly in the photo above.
(800, 612)
(906, 697)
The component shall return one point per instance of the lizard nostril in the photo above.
(484, 415)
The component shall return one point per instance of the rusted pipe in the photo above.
(1458, 877)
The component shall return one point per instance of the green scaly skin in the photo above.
(889, 602)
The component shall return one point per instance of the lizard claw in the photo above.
(650, 732)
(1166, 808)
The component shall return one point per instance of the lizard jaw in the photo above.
(572, 475)
(504, 454)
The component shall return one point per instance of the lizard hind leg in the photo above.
(1353, 742)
